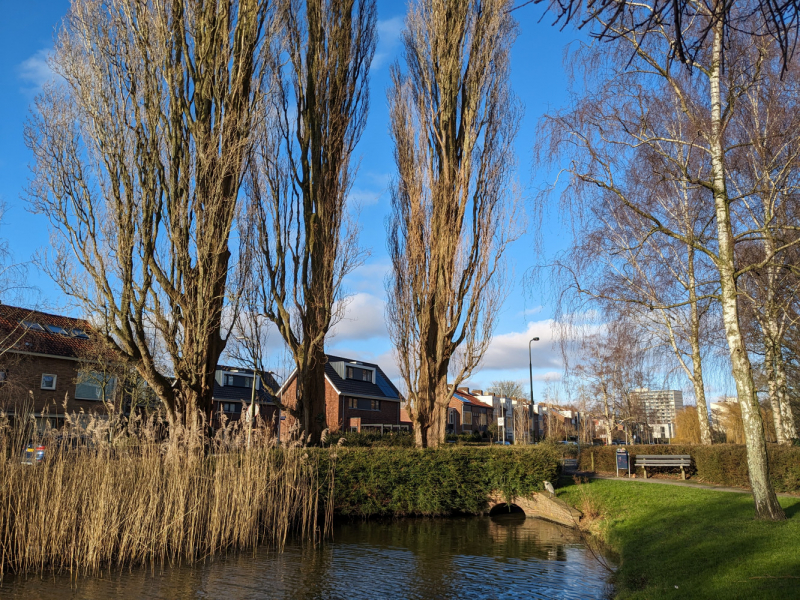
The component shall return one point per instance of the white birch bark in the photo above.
(766, 502)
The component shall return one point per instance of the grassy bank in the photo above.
(683, 543)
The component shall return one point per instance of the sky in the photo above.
(538, 80)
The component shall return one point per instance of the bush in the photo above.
(722, 464)
(370, 439)
(433, 482)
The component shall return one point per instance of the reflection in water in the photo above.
(478, 557)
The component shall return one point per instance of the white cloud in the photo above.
(388, 40)
(35, 71)
(510, 350)
(363, 320)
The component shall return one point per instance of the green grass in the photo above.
(676, 542)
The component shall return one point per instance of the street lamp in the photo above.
(530, 370)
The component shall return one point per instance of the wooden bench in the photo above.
(684, 461)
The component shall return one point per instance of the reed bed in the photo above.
(108, 496)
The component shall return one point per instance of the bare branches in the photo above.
(304, 244)
(453, 120)
(139, 158)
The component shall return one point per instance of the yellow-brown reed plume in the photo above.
(111, 495)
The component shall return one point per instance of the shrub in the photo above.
(723, 464)
(370, 439)
(433, 482)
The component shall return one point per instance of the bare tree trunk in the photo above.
(772, 388)
(766, 502)
(697, 361)
(789, 423)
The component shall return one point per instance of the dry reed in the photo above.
(110, 495)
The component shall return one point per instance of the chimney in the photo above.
(477, 392)
(463, 389)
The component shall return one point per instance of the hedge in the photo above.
(372, 482)
(723, 464)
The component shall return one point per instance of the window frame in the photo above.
(55, 381)
(352, 404)
(466, 417)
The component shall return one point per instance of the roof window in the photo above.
(80, 333)
(56, 329)
(32, 326)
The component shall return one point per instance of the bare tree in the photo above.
(304, 244)
(507, 389)
(453, 119)
(139, 159)
(708, 103)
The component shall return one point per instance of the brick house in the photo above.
(358, 396)
(233, 389)
(467, 414)
(46, 359)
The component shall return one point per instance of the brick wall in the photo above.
(389, 413)
(24, 375)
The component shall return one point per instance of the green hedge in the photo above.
(723, 464)
(407, 481)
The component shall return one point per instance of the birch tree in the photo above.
(139, 157)
(453, 119)
(303, 172)
(707, 97)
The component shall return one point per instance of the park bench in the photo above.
(684, 461)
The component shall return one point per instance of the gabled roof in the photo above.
(224, 393)
(470, 399)
(28, 330)
(335, 373)
(380, 388)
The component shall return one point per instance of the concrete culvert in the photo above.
(505, 509)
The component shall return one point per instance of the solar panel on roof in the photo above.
(385, 387)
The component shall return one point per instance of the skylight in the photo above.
(80, 333)
(56, 329)
(32, 325)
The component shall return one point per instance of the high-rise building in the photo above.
(661, 408)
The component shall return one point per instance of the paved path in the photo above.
(693, 484)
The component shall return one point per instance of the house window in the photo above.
(363, 404)
(241, 381)
(231, 407)
(359, 374)
(48, 381)
(90, 386)
(467, 416)
(451, 416)
(483, 419)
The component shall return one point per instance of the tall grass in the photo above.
(107, 495)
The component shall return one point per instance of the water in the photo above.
(476, 557)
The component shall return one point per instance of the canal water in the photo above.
(476, 557)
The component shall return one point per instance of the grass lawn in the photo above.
(676, 542)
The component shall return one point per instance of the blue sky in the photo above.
(538, 79)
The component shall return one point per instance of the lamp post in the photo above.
(530, 371)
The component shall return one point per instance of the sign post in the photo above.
(622, 461)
